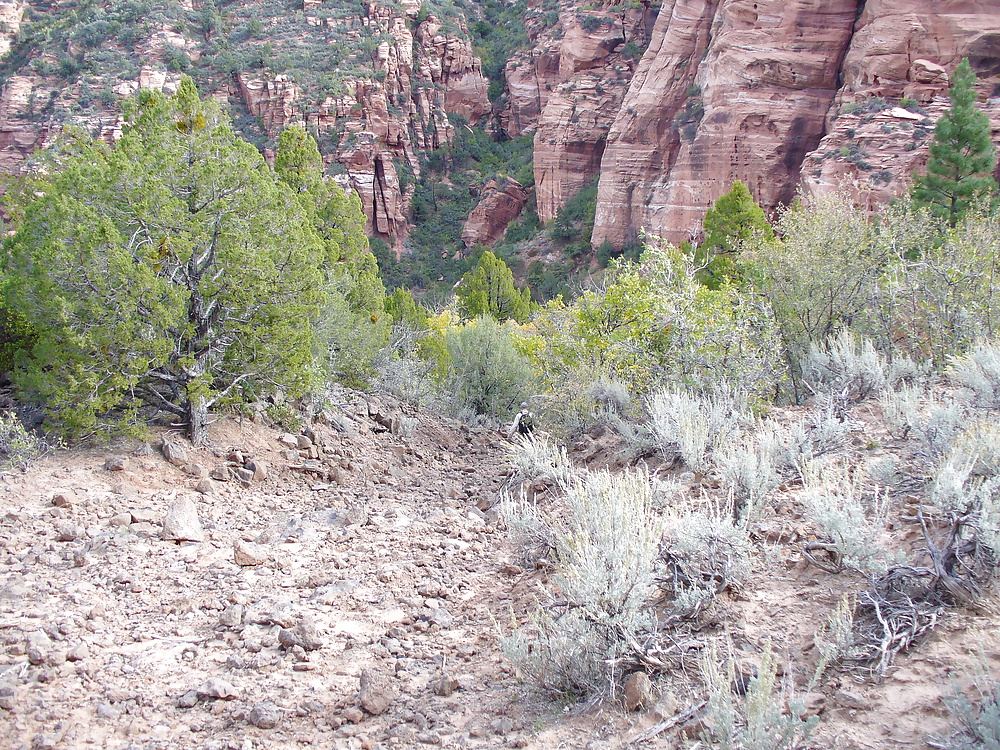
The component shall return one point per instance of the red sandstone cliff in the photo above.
(759, 91)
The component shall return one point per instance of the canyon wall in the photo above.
(667, 104)
(785, 95)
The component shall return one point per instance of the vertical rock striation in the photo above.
(729, 89)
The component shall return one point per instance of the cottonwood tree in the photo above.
(173, 269)
(962, 156)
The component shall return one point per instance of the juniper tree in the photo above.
(489, 290)
(173, 269)
(962, 156)
(732, 220)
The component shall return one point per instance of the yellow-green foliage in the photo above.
(652, 323)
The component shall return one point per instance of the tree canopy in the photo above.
(489, 290)
(731, 221)
(173, 269)
(962, 156)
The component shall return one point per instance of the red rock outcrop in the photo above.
(762, 92)
(728, 89)
(421, 76)
(900, 50)
(577, 111)
(501, 202)
(11, 15)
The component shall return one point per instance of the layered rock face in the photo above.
(781, 95)
(425, 75)
(568, 89)
(900, 50)
(728, 90)
(501, 202)
(420, 72)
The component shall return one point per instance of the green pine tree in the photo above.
(731, 221)
(489, 290)
(962, 156)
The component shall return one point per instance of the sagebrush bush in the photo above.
(957, 492)
(605, 549)
(693, 424)
(748, 472)
(767, 721)
(527, 529)
(835, 639)
(610, 397)
(535, 456)
(979, 373)
(975, 716)
(901, 409)
(706, 552)
(835, 498)
(979, 444)
(847, 366)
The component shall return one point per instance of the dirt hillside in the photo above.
(347, 591)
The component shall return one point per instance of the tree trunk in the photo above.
(197, 420)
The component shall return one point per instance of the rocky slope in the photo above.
(345, 587)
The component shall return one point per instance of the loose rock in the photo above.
(248, 553)
(304, 634)
(116, 463)
(377, 693)
(181, 523)
(174, 453)
(216, 687)
(265, 715)
(638, 691)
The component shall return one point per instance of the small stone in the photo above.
(70, 532)
(220, 474)
(216, 687)
(248, 553)
(445, 686)
(377, 693)
(174, 453)
(120, 519)
(258, 469)
(181, 523)
(188, 700)
(353, 715)
(815, 703)
(289, 439)
(244, 475)
(79, 653)
(428, 738)
(265, 715)
(304, 634)
(145, 515)
(638, 691)
(143, 449)
(232, 616)
(195, 470)
(35, 655)
(850, 699)
(64, 498)
(116, 463)
(303, 442)
(205, 486)
(502, 726)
